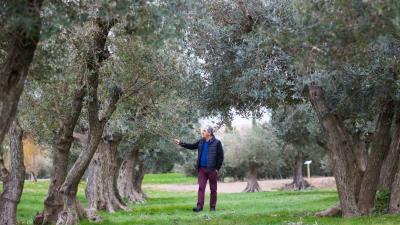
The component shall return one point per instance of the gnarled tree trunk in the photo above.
(339, 143)
(379, 149)
(101, 190)
(252, 184)
(357, 172)
(298, 180)
(23, 35)
(13, 183)
(72, 211)
(130, 178)
(53, 203)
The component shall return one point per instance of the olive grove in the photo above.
(106, 86)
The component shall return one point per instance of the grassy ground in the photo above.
(170, 178)
(243, 208)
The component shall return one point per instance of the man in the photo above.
(210, 156)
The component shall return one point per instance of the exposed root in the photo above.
(301, 185)
(136, 197)
(252, 186)
(333, 211)
(74, 212)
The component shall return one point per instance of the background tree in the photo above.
(148, 146)
(300, 132)
(252, 149)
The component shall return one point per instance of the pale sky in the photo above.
(238, 121)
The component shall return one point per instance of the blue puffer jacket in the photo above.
(215, 153)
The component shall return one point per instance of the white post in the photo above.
(308, 168)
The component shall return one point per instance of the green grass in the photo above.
(242, 208)
(169, 178)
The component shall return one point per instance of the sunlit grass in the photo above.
(242, 208)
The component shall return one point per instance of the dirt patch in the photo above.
(235, 187)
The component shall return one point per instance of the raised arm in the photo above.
(187, 145)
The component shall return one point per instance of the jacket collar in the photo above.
(210, 141)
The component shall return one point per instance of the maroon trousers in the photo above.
(204, 175)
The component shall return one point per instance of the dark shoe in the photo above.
(212, 209)
(197, 209)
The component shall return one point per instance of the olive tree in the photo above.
(252, 149)
(301, 134)
(339, 56)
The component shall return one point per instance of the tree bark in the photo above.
(101, 190)
(360, 152)
(53, 203)
(72, 212)
(14, 182)
(379, 148)
(252, 184)
(394, 204)
(130, 178)
(341, 149)
(390, 164)
(298, 180)
(23, 36)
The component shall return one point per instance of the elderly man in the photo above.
(210, 157)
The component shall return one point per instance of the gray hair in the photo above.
(210, 130)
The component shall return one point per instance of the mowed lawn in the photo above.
(162, 207)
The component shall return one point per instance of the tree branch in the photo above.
(135, 91)
(112, 105)
(242, 6)
(93, 61)
(248, 25)
(71, 116)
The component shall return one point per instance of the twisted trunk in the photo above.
(356, 171)
(379, 149)
(101, 190)
(130, 178)
(53, 203)
(23, 35)
(339, 143)
(252, 184)
(13, 183)
(72, 212)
